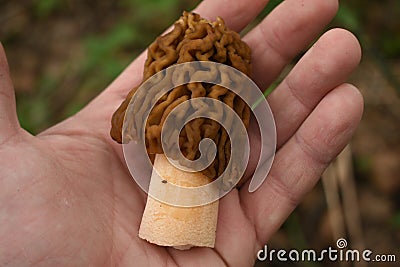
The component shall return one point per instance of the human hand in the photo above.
(67, 198)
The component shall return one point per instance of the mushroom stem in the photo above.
(179, 227)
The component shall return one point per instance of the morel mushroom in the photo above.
(192, 39)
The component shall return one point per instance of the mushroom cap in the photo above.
(192, 39)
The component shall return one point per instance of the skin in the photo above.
(67, 199)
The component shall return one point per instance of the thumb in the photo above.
(8, 117)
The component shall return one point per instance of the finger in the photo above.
(236, 14)
(285, 32)
(325, 66)
(8, 116)
(300, 162)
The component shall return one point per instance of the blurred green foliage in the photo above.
(396, 221)
(33, 110)
(43, 8)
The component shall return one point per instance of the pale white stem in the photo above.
(179, 227)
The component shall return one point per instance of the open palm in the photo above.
(67, 198)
